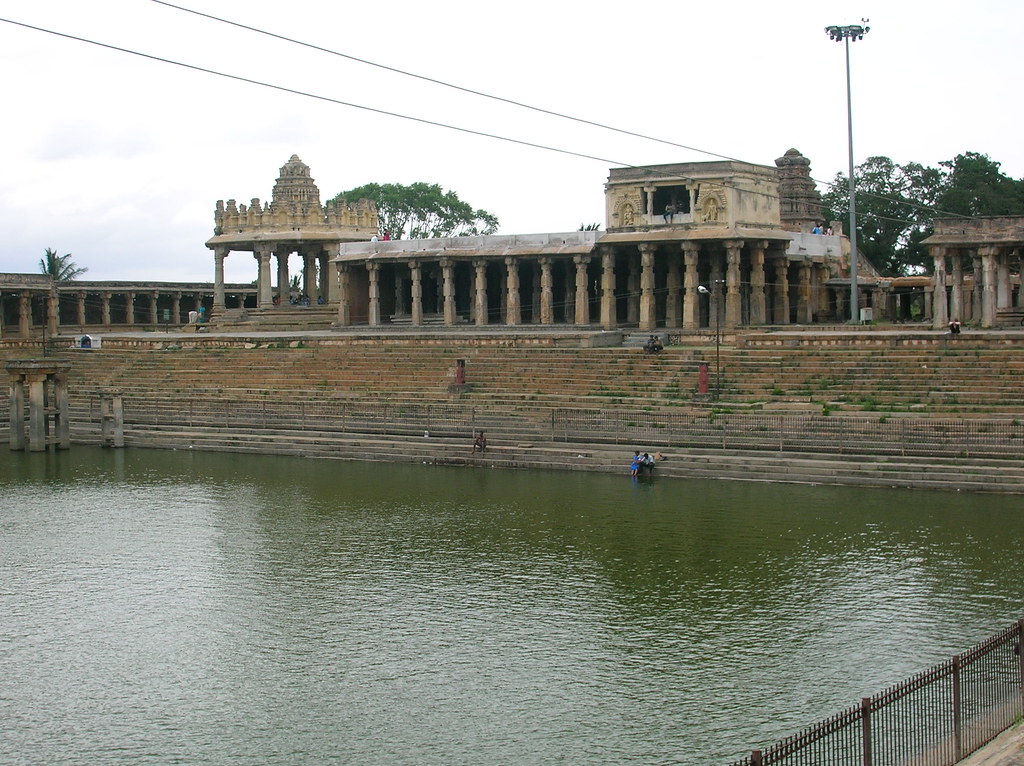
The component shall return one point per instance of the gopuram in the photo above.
(293, 222)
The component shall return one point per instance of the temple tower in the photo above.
(295, 185)
(799, 200)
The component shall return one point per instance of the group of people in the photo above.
(653, 345)
(819, 228)
(644, 463)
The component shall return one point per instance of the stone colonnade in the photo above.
(646, 285)
(974, 283)
(43, 386)
(103, 307)
(316, 274)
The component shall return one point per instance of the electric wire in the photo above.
(530, 107)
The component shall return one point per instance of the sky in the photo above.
(120, 159)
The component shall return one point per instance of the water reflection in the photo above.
(235, 609)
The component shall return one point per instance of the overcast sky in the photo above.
(120, 159)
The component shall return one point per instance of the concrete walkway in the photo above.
(1005, 750)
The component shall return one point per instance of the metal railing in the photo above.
(934, 718)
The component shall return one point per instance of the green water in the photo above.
(200, 608)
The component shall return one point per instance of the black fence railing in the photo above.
(934, 718)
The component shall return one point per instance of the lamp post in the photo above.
(716, 294)
(848, 34)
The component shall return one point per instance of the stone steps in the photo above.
(456, 450)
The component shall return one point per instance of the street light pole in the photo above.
(848, 34)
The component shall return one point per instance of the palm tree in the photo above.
(60, 268)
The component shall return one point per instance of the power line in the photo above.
(384, 112)
(513, 102)
(421, 120)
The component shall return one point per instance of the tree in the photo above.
(975, 185)
(422, 210)
(60, 268)
(896, 204)
(894, 211)
(589, 227)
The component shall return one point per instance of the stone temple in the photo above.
(669, 230)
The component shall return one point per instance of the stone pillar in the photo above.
(112, 420)
(633, 293)
(569, 299)
(25, 314)
(106, 309)
(939, 302)
(373, 318)
(608, 288)
(480, 291)
(219, 254)
(129, 310)
(957, 307)
(332, 250)
(547, 297)
(81, 309)
(17, 411)
(782, 290)
(344, 299)
(176, 308)
(804, 314)
(513, 315)
(978, 287)
(758, 305)
(929, 302)
(1004, 288)
(322, 282)
(51, 313)
(283, 280)
(309, 276)
(673, 294)
(535, 290)
(691, 281)
(582, 295)
(264, 287)
(988, 295)
(154, 311)
(416, 275)
(448, 290)
(647, 303)
(733, 309)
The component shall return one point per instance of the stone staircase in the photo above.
(513, 394)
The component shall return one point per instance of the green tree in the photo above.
(894, 211)
(975, 186)
(60, 267)
(589, 227)
(422, 210)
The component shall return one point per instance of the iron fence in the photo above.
(934, 718)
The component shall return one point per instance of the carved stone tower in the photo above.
(799, 200)
(294, 185)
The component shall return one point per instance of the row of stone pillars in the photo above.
(42, 386)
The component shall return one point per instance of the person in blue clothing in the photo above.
(634, 467)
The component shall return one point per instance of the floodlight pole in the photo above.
(846, 34)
